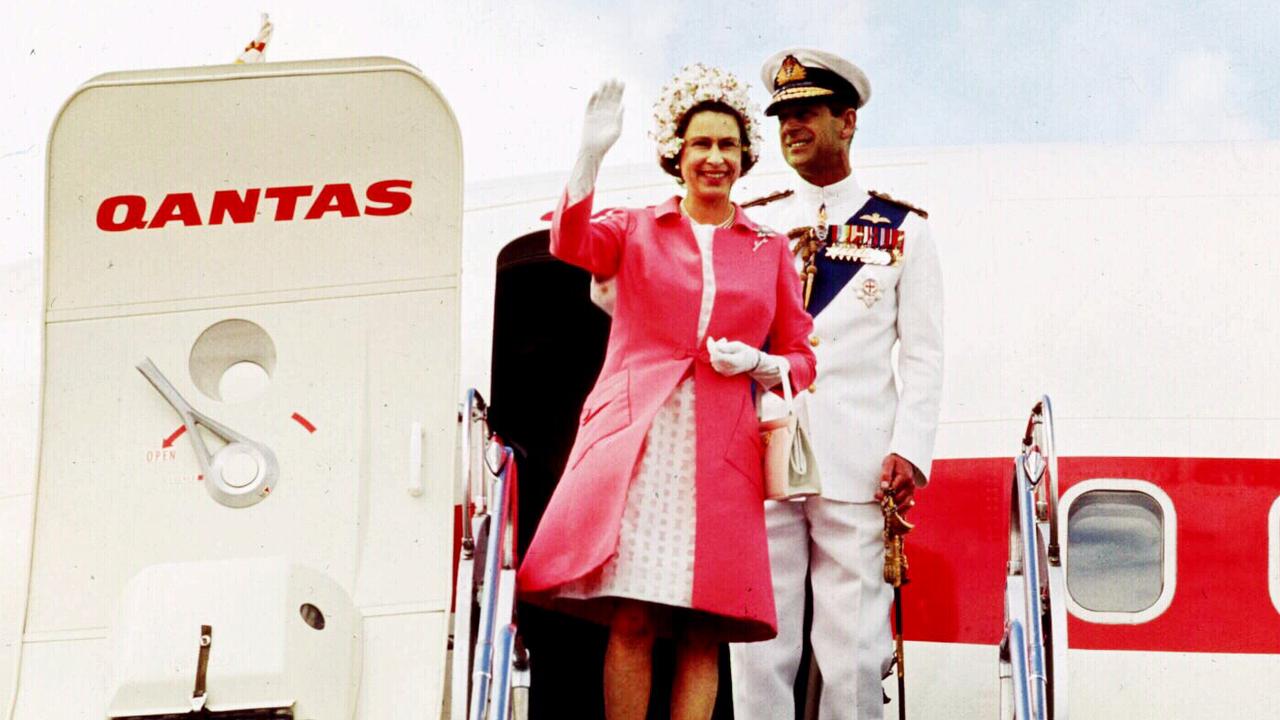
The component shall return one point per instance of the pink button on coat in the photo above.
(652, 346)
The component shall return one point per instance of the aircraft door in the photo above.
(278, 245)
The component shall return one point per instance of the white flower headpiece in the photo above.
(695, 84)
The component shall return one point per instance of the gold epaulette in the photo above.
(890, 199)
(765, 200)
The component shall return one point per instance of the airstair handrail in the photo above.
(473, 415)
(1033, 650)
(1021, 687)
(503, 671)
(494, 652)
(1038, 441)
(483, 665)
(488, 661)
(1032, 646)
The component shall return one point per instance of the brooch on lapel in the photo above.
(762, 236)
(869, 291)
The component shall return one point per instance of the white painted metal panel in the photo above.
(359, 305)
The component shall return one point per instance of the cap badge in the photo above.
(874, 217)
(791, 71)
(869, 292)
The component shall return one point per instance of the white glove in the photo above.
(769, 372)
(730, 357)
(601, 127)
(602, 124)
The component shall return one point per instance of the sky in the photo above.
(518, 74)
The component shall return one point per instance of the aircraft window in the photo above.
(1119, 550)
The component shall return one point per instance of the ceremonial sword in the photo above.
(895, 573)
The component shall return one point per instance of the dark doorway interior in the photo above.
(548, 346)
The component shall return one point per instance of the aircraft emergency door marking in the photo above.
(304, 422)
(240, 473)
(168, 442)
(164, 455)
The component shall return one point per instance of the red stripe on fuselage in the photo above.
(1221, 602)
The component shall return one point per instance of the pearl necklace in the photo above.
(727, 222)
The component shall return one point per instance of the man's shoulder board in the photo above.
(890, 199)
(765, 200)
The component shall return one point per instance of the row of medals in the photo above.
(844, 243)
(854, 243)
(849, 243)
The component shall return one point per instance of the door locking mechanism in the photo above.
(240, 473)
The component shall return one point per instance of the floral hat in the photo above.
(695, 84)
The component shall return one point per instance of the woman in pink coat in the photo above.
(657, 525)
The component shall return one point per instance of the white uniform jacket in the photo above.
(856, 414)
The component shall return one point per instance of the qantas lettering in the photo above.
(129, 212)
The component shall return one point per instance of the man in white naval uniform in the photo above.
(869, 437)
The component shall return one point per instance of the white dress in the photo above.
(654, 560)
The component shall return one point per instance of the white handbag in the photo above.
(790, 470)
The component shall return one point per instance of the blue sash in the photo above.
(833, 275)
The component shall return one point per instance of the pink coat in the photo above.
(652, 346)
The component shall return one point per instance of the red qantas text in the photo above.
(129, 212)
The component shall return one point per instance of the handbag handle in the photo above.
(787, 397)
(799, 463)
(786, 386)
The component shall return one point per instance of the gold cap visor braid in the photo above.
(799, 93)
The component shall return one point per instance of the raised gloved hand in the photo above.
(601, 127)
(602, 124)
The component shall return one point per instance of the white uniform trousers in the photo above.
(841, 546)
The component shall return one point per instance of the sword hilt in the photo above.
(895, 556)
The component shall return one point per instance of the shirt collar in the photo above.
(671, 207)
(834, 194)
